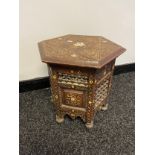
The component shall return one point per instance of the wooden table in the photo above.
(80, 70)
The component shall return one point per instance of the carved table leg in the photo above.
(59, 119)
(104, 107)
(90, 125)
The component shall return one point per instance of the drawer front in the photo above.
(73, 98)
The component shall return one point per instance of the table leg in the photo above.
(90, 125)
(104, 107)
(59, 119)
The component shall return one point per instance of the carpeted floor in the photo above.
(112, 134)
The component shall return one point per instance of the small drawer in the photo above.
(74, 98)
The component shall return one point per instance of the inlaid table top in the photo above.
(79, 50)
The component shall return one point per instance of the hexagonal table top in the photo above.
(79, 50)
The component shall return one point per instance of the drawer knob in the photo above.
(72, 99)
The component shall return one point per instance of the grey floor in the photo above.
(113, 132)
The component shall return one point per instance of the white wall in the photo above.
(45, 19)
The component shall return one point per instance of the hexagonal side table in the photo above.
(80, 70)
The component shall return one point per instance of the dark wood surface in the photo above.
(79, 50)
(80, 92)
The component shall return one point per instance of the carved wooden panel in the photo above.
(102, 91)
(103, 83)
(73, 112)
(72, 80)
(73, 98)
